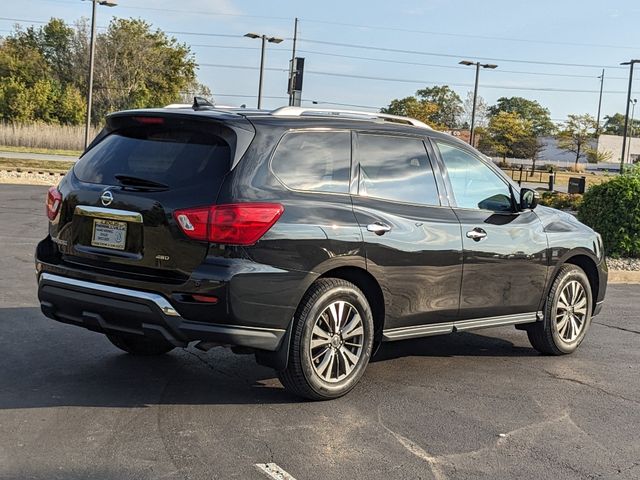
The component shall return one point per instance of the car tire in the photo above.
(137, 345)
(567, 313)
(331, 341)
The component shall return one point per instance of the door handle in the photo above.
(378, 228)
(476, 234)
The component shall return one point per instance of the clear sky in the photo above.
(572, 40)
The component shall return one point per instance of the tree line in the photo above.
(44, 71)
(510, 128)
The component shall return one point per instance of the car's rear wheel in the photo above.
(331, 341)
(567, 313)
(137, 345)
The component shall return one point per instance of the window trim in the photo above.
(449, 186)
(313, 130)
(356, 168)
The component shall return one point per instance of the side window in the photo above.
(396, 168)
(314, 161)
(474, 184)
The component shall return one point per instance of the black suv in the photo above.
(307, 238)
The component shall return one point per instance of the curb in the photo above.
(623, 276)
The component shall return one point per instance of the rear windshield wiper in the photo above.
(138, 182)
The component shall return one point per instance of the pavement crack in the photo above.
(618, 328)
(415, 449)
(585, 384)
(208, 365)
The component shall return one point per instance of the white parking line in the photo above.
(272, 470)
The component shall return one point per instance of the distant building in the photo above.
(613, 145)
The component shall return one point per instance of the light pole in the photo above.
(265, 39)
(601, 77)
(475, 93)
(633, 112)
(92, 50)
(631, 63)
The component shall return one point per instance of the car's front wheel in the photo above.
(567, 313)
(331, 341)
(138, 345)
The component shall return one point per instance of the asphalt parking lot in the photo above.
(463, 406)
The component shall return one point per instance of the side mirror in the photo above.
(528, 199)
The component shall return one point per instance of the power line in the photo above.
(448, 55)
(467, 35)
(422, 82)
(369, 47)
(374, 27)
(404, 62)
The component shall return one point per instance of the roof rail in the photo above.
(301, 111)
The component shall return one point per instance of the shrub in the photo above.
(561, 201)
(613, 210)
(576, 168)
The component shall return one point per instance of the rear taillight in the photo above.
(54, 200)
(236, 224)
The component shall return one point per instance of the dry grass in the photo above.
(20, 165)
(43, 136)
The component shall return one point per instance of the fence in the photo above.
(58, 137)
(523, 173)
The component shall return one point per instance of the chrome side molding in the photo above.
(458, 326)
(159, 300)
(108, 213)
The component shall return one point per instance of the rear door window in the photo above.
(176, 156)
(396, 168)
(314, 161)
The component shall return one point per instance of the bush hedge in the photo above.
(613, 210)
(561, 201)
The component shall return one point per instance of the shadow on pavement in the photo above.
(47, 364)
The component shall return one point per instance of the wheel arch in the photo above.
(585, 260)
(362, 279)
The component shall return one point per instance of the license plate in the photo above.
(109, 234)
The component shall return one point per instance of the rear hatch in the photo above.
(119, 199)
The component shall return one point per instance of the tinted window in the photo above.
(474, 184)
(173, 156)
(314, 161)
(396, 168)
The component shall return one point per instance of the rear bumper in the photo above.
(109, 309)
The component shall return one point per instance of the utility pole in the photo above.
(633, 112)
(601, 77)
(293, 59)
(631, 63)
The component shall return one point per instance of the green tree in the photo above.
(505, 135)
(530, 110)
(412, 107)
(43, 71)
(614, 125)
(577, 133)
(449, 105)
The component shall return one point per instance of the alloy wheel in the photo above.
(571, 311)
(336, 341)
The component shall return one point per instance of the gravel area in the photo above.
(626, 264)
(29, 178)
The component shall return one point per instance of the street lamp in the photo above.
(631, 63)
(265, 39)
(475, 92)
(92, 49)
(633, 112)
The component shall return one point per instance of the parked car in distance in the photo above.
(307, 238)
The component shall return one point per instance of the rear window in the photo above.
(178, 157)
(314, 161)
